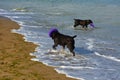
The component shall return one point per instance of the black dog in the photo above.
(83, 23)
(63, 40)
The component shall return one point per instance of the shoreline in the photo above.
(15, 59)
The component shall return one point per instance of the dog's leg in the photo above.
(86, 27)
(83, 27)
(72, 52)
(76, 25)
(54, 46)
(71, 48)
(63, 49)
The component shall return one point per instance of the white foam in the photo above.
(2, 10)
(108, 57)
(76, 67)
(52, 50)
(45, 64)
(20, 9)
(35, 59)
(20, 22)
(55, 13)
(90, 43)
(13, 16)
(63, 72)
(31, 54)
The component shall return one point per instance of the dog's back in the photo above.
(65, 39)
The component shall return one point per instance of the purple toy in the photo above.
(92, 25)
(51, 31)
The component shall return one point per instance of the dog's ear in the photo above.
(90, 21)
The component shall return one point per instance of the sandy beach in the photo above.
(15, 63)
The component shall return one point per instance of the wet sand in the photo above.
(15, 63)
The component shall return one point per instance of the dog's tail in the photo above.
(74, 36)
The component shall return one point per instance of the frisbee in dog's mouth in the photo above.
(51, 31)
(92, 25)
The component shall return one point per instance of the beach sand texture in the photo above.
(15, 63)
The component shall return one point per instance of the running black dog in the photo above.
(83, 23)
(63, 40)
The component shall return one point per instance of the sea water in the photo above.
(97, 50)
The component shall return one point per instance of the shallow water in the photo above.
(97, 50)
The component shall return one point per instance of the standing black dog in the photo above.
(83, 23)
(63, 40)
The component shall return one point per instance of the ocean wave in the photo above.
(63, 72)
(90, 43)
(108, 57)
(21, 9)
(76, 67)
(35, 59)
(2, 10)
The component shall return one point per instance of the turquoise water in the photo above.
(97, 50)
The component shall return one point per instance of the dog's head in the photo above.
(91, 23)
(53, 32)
